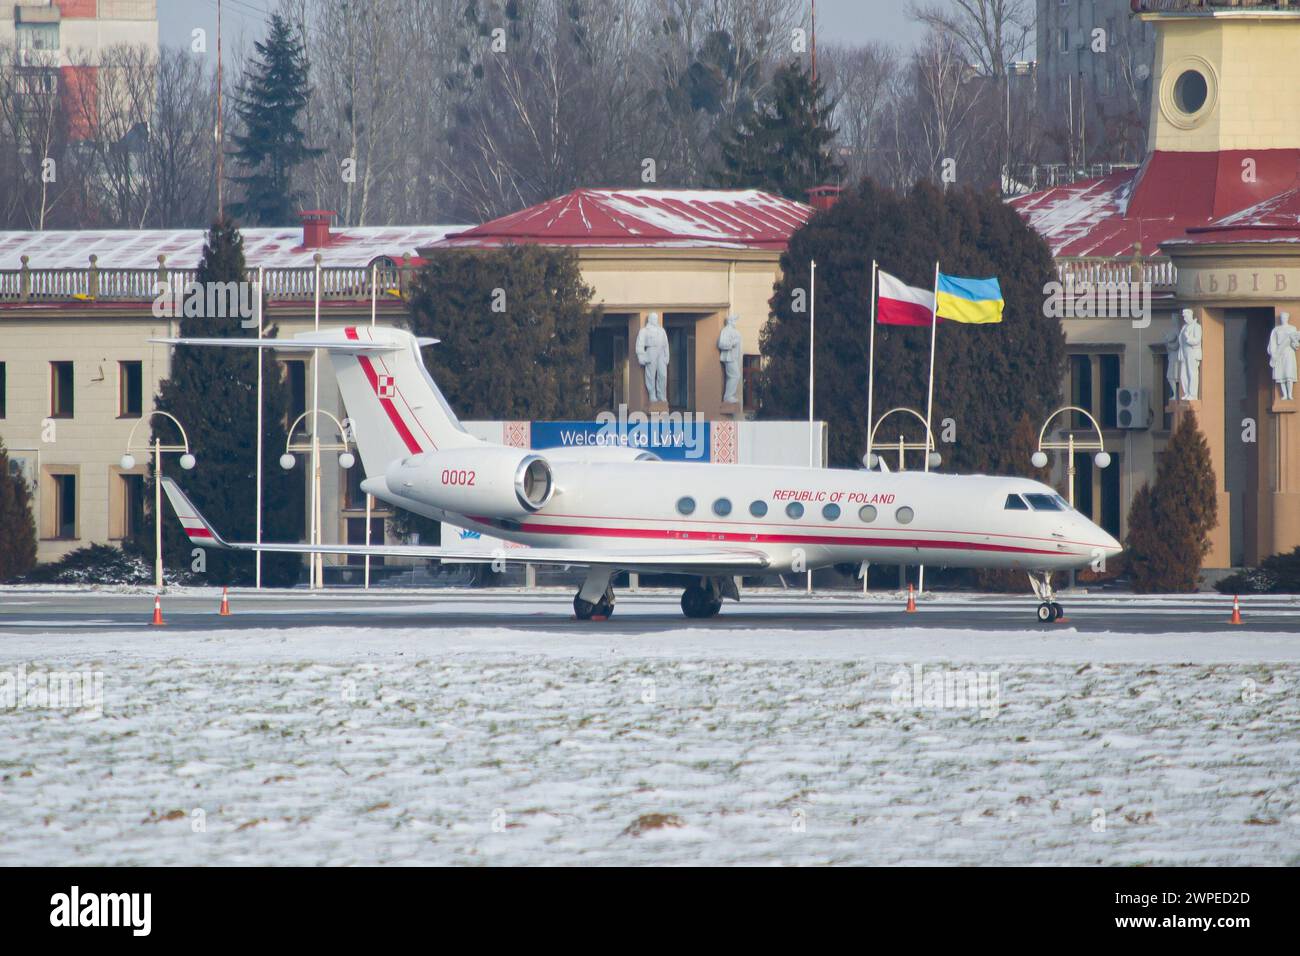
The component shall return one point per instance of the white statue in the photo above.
(1282, 344)
(730, 352)
(1171, 351)
(1189, 356)
(652, 353)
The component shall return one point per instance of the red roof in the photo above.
(647, 217)
(1173, 197)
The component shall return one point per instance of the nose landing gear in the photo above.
(1048, 611)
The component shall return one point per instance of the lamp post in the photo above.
(1070, 445)
(933, 460)
(157, 448)
(314, 448)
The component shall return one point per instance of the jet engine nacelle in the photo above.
(493, 482)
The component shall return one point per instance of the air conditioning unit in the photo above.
(1132, 407)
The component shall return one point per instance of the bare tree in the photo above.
(989, 34)
(860, 81)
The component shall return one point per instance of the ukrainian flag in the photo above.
(972, 301)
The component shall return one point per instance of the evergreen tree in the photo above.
(784, 147)
(986, 376)
(17, 524)
(271, 97)
(515, 328)
(1170, 522)
(213, 392)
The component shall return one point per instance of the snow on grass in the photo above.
(508, 746)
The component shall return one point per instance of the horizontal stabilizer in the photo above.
(297, 342)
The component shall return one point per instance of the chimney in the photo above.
(822, 198)
(315, 228)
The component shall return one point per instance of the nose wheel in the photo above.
(1048, 611)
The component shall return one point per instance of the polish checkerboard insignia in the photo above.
(385, 388)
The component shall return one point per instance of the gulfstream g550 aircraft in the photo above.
(611, 509)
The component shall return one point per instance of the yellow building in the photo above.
(1210, 222)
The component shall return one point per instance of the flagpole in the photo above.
(871, 367)
(812, 333)
(261, 279)
(929, 401)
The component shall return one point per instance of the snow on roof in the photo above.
(1173, 198)
(665, 218)
(269, 247)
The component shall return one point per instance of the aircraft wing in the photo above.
(722, 560)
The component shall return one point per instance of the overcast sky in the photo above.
(846, 21)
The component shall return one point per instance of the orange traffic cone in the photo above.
(1236, 610)
(911, 600)
(157, 611)
(225, 603)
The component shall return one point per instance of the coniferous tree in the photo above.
(213, 392)
(515, 328)
(274, 92)
(986, 376)
(784, 146)
(1170, 522)
(17, 524)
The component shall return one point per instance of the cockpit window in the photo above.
(1015, 503)
(1062, 502)
(1044, 502)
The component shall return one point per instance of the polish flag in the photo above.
(901, 304)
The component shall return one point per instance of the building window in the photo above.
(60, 389)
(295, 376)
(357, 535)
(3, 389)
(1063, 39)
(61, 516)
(609, 354)
(1094, 384)
(37, 36)
(681, 370)
(130, 389)
(758, 508)
(1191, 91)
(127, 519)
(354, 499)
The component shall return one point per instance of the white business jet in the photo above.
(612, 509)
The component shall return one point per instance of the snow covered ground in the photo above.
(488, 745)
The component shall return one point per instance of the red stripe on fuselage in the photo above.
(670, 534)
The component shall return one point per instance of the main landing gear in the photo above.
(595, 601)
(704, 599)
(1048, 611)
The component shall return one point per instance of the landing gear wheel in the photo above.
(586, 610)
(1058, 612)
(1046, 613)
(698, 602)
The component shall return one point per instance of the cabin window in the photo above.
(1044, 502)
(722, 507)
(758, 508)
(831, 512)
(794, 510)
(686, 505)
(1015, 503)
(904, 515)
(867, 513)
